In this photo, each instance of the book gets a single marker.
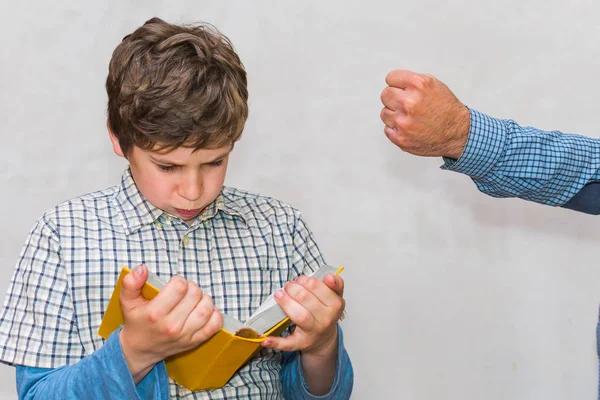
(214, 362)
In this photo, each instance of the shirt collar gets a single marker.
(224, 203)
(137, 212)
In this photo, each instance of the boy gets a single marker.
(177, 103)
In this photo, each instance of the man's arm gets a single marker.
(423, 117)
(102, 375)
(587, 200)
(505, 159)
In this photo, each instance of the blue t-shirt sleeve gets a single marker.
(102, 375)
(505, 159)
(295, 387)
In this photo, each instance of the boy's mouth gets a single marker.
(188, 213)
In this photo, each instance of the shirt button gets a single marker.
(185, 240)
(158, 224)
(207, 223)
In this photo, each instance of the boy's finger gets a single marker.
(304, 297)
(178, 316)
(200, 315)
(214, 324)
(131, 291)
(289, 343)
(328, 292)
(335, 283)
(166, 300)
(297, 313)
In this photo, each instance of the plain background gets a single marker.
(451, 294)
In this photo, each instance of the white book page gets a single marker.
(269, 313)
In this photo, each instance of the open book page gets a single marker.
(231, 324)
(270, 314)
(155, 281)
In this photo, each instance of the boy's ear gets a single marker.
(115, 142)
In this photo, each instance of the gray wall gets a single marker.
(451, 294)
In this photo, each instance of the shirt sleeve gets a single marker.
(37, 324)
(505, 159)
(294, 385)
(306, 256)
(102, 375)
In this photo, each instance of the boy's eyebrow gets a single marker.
(167, 162)
(159, 161)
(217, 158)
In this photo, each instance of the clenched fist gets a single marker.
(422, 116)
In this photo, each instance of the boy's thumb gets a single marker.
(133, 283)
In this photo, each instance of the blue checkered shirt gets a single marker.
(508, 160)
(239, 250)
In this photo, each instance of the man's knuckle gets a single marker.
(402, 123)
(409, 105)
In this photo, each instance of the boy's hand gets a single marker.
(179, 318)
(315, 307)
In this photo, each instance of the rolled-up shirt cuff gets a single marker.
(485, 145)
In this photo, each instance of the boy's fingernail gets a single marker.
(278, 294)
(138, 270)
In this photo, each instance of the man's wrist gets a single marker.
(460, 135)
(486, 143)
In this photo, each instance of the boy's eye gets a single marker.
(216, 163)
(167, 168)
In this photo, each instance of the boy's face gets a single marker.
(181, 182)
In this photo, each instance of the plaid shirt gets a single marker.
(239, 250)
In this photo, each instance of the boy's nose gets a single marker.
(191, 187)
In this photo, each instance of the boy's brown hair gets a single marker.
(170, 86)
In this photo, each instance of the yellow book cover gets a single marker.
(213, 363)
